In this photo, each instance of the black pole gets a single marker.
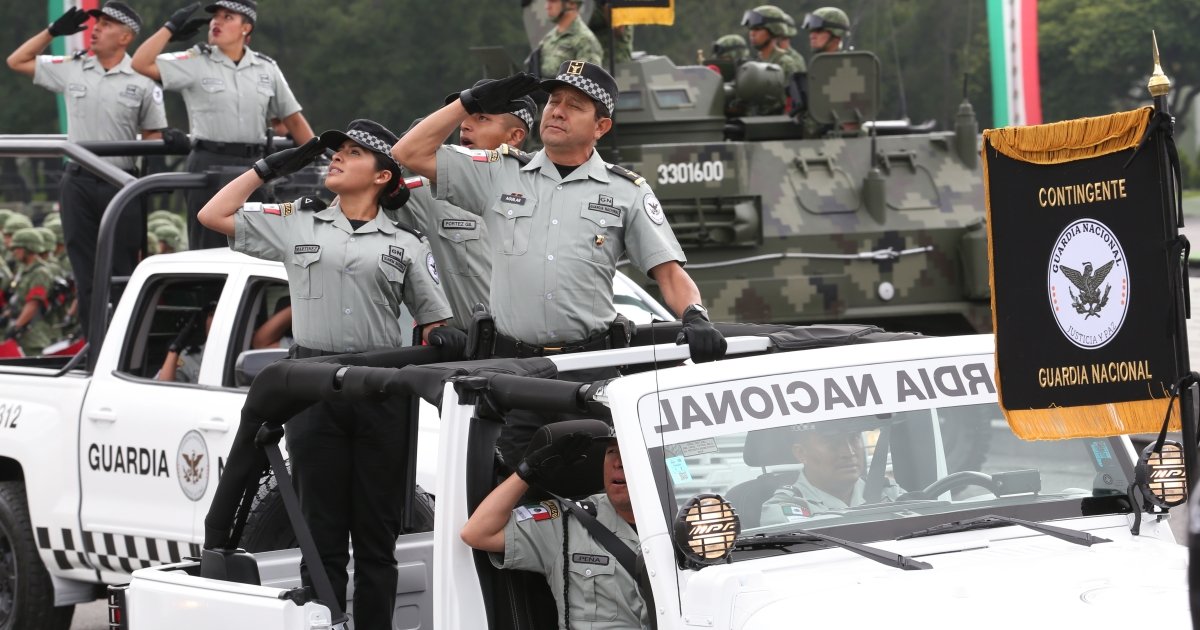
(1187, 416)
(124, 201)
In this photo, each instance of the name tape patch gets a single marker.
(589, 558)
(616, 212)
(513, 198)
(307, 249)
(394, 262)
(458, 224)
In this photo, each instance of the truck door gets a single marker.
(146, 462)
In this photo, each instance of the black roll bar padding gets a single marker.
(522, 392)
(122, 202)
(39, 144)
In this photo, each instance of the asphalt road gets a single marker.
(94, 616)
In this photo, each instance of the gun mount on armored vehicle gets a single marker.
(884, 227)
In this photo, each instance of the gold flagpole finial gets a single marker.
(1159, 84)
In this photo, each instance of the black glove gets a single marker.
(178, 22)
(549, 461)
(69, 23)
(705, 342)
(181, 340)
(288, 161)
(14, 333)
(497, 97)
(176, 139)
(188, 29)
(451, 340)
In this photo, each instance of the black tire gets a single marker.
(268, 529)
(26, 593)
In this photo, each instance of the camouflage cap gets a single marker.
(49, 238)
(4, 214)
(56, 227)
(53, 215)
(16, 222)
(770, 17)
(830, 19)
(28, 238)
(169, 235)
(731, 48)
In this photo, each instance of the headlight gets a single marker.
(705, 530)
(1162, 476)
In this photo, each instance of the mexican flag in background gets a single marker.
(69, 44)
(1016, 88)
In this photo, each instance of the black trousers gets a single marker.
(348, 467)
(83, 198)
(200, 161)
(521, 424)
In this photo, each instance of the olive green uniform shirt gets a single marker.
(577, 43)
(555, 242)
(346, 285)
(801, 500)
(789, 60)
(601, 594)
(459, 242)
(116, 104)
(32, 283)
(227, 101)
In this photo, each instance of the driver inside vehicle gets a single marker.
(832, 477)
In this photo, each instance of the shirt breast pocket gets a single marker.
(462, 240)
(393, 284)
(513, 238)
(77, 90)
(597, 585)
(306, 274)
(600, 232)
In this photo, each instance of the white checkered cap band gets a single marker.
(372, 142)
(523, 114)
(589, 87)
(122, 18)
(244, 9)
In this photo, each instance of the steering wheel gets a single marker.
(953, 481)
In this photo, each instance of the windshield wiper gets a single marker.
(783, 541)
(994, 520)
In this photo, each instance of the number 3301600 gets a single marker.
(691, 172)
(9, 415)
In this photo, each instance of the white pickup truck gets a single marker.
(109, 471)
(740, 523)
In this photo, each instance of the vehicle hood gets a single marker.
(1037, 582)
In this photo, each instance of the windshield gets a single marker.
(872, 452)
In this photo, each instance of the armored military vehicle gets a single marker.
(877, 222)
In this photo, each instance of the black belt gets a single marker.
(302, 352)
(514, 348)
(235, 149)
(74, 169)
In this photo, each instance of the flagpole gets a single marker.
(1159, 87)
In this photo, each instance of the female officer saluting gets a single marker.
(349, 267)
(231, 93)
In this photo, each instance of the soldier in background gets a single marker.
(106, 100)
(30, 299)
(15, 222)
(622, 36)
(570, 39)
(784, 43)
(767, 24)
(827, 28)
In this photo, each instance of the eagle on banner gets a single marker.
(1089, 301)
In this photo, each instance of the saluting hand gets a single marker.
(288, 161)
(69, 23)
(705, 342)
(188, 30)
(545, 463)
(496, 97)
(178, 22)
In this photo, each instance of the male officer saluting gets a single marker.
(559, 220)
(106, 100)
(458, 237)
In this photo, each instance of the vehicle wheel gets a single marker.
(26, 593)
(268, 529)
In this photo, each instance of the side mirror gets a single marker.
(251, 362)
(1161, 475)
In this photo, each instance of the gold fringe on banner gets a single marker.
(1070, 140)
(1060, 423)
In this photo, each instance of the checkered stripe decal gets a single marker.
(115, 552)
(523, 114)
(122, 18)
(238, 7)
(370, 141)
(589, 87)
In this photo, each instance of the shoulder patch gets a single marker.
(310, 203)
(617, 169)
(478, 155)
(278, 209)
(515, 153)
(414, 182)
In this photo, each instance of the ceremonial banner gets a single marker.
(626, 12)
(1081, 295)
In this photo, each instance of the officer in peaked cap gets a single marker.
(342, 262)
(559, 221)
(106, 100)
(230, 91)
